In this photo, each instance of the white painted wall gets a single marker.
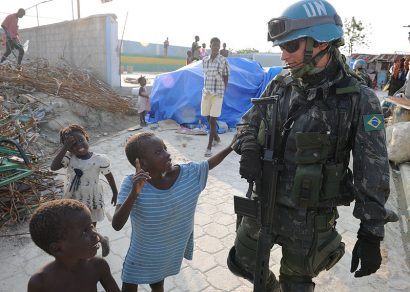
(88, 42)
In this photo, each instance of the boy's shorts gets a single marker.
(211, 105)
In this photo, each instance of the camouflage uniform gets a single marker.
(367, 80)
(369, 188)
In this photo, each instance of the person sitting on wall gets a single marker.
(189, 57)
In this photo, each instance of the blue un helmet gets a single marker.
(315, 19)
(359, 64)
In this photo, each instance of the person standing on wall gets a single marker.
(224, 52)
(202, 52)
(195, 49)
(10, 38)
(216, 74)
(166, 45)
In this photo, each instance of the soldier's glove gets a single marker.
(250, 164)
(367, 249)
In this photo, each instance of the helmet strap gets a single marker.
(347, 71)
(310, 62)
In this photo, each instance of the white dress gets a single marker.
(82, 181)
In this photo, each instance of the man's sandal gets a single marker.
(208, 153)
(216, 142)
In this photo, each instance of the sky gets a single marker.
(240, 24)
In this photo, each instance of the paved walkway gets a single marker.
(215, 233)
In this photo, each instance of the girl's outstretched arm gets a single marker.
(68, 143)
(111, 181)
(122, 212)
(217, 158)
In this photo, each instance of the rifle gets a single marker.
(262, 207)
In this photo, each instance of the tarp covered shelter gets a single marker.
(177, 95)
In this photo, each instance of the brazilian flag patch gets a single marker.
(373, 122)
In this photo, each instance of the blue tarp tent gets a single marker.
(177, 95)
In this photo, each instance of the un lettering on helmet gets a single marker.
(315, 19)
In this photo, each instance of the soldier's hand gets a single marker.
(367, 250)
(250, 164)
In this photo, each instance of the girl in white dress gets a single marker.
(143, 101)
(82, 180)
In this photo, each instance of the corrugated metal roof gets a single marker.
(381, 58)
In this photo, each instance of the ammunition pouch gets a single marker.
(316, 179)
(327, 248)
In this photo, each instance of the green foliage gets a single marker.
(355, 34)
(245, 51)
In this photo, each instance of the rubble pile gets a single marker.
(24, 182)
(64, 80)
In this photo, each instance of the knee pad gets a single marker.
(236, 269)
(242, 257)
(242, 260)
(271, 286)
(296, 283)
(326, 250)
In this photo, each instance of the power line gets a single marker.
(35, 16)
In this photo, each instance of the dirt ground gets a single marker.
(101, 125)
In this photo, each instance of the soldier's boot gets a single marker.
(296, 283)
(238, 270)
(390, 216)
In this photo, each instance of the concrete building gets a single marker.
(90, 43)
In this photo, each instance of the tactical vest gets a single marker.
(315, 145)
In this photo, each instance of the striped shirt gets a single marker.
(162, 225)
(214, 71)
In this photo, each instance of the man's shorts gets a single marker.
(211, 105)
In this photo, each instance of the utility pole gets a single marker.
(78, 9)
(72, 8)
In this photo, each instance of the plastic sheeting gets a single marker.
(177, 95)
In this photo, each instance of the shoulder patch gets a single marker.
(373, 122)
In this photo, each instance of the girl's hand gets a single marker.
(139, 179)
(238, 133)
(69, 142)
(114, 199)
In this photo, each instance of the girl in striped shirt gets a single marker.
(160, 198)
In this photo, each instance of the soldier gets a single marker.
(359, 67)
(324, 113)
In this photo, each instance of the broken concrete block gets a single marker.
(26, 98)
(222, 125)
(397, 137)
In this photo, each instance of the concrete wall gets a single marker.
(265, 59)
(147, 57)
(91, 43)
